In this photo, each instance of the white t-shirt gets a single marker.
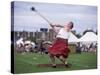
(19, 41)
(63, 34)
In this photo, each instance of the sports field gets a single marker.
(28, 62)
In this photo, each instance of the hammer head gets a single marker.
(32, 8)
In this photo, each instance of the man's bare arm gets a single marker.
(56, 28)
(56, 25)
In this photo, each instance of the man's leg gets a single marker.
(53, 60)
(63, 60)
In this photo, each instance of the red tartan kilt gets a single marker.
(60, 47)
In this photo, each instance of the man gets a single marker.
(60, 48)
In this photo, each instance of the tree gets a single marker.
(96, 32)
(88, 31)
(74, 32)
(78, 35)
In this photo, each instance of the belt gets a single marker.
(62, 39)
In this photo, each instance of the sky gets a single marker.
(84, 17)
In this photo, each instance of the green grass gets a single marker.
(27, 63)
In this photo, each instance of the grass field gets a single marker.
(27, 63)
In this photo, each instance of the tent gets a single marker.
(88, 37)
(72, 38)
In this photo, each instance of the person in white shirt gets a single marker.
(20, 43)
(60, 48)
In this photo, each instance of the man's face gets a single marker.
(68, 26)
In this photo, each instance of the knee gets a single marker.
(51, 55)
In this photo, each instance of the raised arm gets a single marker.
(56, 27)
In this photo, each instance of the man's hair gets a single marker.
(72, 24)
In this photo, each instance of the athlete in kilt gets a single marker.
(60, 48)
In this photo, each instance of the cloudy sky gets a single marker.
(84, 17)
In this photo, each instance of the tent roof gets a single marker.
(89, 36)
(72, 38)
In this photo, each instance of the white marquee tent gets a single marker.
(88, 37)
(72, 38)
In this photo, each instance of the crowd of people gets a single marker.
(23, 45)
(86, 47)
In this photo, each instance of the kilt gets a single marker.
(59, 48)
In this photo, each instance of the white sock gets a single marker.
(66, 62)
(53, 64)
